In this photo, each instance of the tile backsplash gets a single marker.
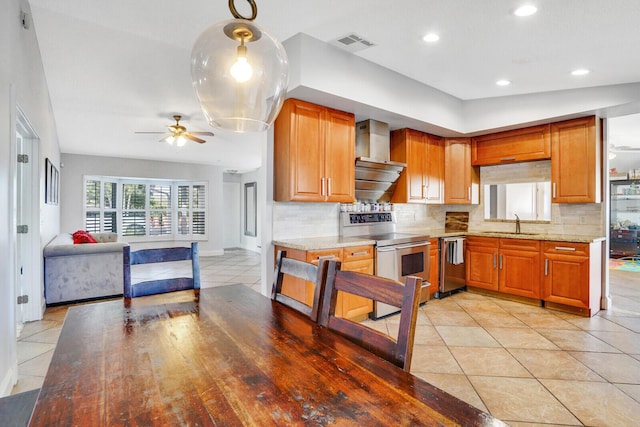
(301, 220)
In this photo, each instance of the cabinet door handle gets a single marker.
(329, 186)
(546, 267)
(321, 257)
(500, 261)
(507, 159)
(553, 193)
(564, 248)
(323, 189)
(495, 260)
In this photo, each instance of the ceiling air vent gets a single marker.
(352, 43)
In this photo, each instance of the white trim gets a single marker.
(10, 378)
(35, 308)
(174, 209)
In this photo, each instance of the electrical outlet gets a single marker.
(583, 220)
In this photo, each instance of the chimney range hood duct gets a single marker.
(376, 175)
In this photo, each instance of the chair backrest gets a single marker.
(163, 284)
(301, 270)
(406, 296)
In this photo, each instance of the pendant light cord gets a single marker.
(237, 15)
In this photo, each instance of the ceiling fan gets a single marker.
(179, 134)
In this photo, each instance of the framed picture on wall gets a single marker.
(51, 183)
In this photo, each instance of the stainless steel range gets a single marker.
(397, 255)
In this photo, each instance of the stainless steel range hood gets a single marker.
(376, 175)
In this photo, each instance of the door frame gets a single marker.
(35, 307)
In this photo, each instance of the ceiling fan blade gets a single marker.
(193, 138)
(202, 133)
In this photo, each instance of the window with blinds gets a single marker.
(143, 209)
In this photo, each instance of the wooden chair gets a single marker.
(302, 270)
(406, 296)
(162, 285)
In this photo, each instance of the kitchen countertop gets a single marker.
(332, 242)
(325, 242)
(511, 235)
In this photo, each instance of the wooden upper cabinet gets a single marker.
(575, 161)
(314, 154)
(340, 156)
(434, 173)
(461, 179)
(422, 181)
(520, 145)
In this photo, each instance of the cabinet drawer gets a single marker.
(331, 254)
(520, 244)
(566, 248)
(489, 242)
(355, 253)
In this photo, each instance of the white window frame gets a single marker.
(173, 209)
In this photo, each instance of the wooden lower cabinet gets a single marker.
(572, 276)
(360, 259)
(481, 260)
(353, 258)
(509, 266)
(434, 266)
(519, 265)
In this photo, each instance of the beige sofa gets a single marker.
(77, 272)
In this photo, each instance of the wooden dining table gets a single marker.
(231, 357)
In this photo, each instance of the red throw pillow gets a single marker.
(81, 236)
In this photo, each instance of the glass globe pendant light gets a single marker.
(240, 74)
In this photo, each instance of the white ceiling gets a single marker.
(119, 66)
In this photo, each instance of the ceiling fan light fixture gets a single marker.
(240, 74)
(180, 141)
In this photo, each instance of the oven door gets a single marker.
(398, 261)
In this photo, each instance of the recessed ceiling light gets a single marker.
(431, 37)
(526, 10)
(580, 72)
(503, 82)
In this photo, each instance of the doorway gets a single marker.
(26, 265)
(623, 219)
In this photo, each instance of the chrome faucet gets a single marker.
(517, 224)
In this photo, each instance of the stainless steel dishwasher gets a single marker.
(453, 275)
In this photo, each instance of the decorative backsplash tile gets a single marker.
(300, 220)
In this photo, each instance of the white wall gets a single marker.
(231, 198)
(22, 83)
(330, 76)
(77, 166)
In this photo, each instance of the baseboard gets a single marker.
(9, 379)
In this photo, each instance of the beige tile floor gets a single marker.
(523, 364)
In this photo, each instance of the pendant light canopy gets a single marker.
(240, 74)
